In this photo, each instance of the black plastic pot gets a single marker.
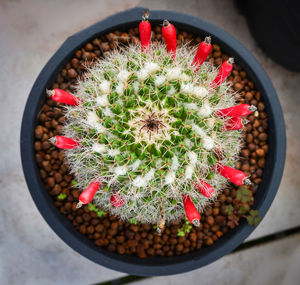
(153, 265)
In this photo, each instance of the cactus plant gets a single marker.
(149, 141)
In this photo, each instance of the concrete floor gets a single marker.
(30, 253)
(273, 263)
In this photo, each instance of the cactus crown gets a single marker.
(148, 130)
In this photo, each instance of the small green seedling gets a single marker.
(93, 208)
(254, 218)
(61, 196)
(133, 221)
(185, 228)
(241, 208)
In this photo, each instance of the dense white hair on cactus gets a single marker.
(100, 128)
(149, 175)
(102, 101)
(184, 77)
(136, 86)
(108, 112)
(135, 165)
(100, 148)
(151, 67)
(193, 157)
(200, 91)
(104, 86)
(158, 163)
(92, 118)
(120, 170)
(172, 91)
(139, 181)
(187, 88)
(111, 131)
(123, 75)
(208, 143)
(198, 130)
(113, 152)
(189, 170)
(93, 121)
(173, 73)
(205, 110)
(211, 122)
(120, 88)
(188, 143)
(175, 163)
(191, 106)
(142, 74)
(159, 80)
(170, 177)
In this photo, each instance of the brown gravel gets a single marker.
(141, 239)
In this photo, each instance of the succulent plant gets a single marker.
(151, 135)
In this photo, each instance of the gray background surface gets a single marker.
(30, 253)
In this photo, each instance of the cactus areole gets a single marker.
(148, 124)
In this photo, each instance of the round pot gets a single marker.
(153, 265)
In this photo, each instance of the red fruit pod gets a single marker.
(224, 71)
(236, 111)
(204, 188)
(88, 194)
(145, 32)
(62, 96)
(191, 211)
(237, 177)
(116, 200)
(64, 142)
(169, 34)
(202, 53)
(235, 123)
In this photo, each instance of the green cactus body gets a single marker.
(148, 129)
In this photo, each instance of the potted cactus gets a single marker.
(151, 134)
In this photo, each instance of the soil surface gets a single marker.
(142, 239)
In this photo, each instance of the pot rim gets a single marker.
(153, 266)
